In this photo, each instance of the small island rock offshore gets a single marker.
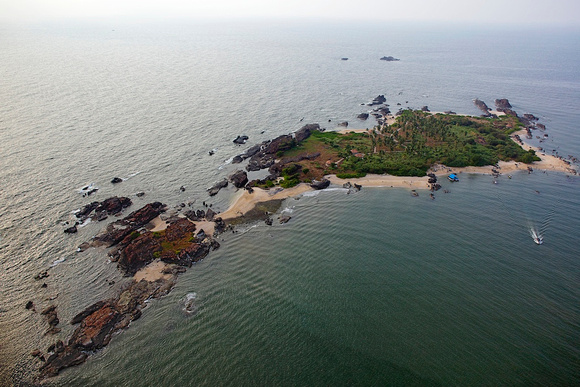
(408, 150)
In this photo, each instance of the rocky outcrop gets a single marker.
(363, 116)
(305, 132)
(378, 100)
(71, 230)
(117, 231)
(530, 117)
(344, 124)
(284, 219)
(240, 140)
(239, 178)
(322, 184)
(99, 322)
(425, 108)
(99, 210)
(217, 187)
(482, 106)
(52, 319)
(390, 59)
(502, 103)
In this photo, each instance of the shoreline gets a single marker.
(243, 202)
(100, 321)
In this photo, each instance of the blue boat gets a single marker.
(453, 177)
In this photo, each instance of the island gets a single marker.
(408, 149)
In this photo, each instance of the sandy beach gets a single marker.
(152, 272)
(245, 201)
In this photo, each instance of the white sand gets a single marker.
(245, 201)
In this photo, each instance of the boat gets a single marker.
(537, 237)
(453, 177)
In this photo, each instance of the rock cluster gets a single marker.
(117, 231)
(100, 210)
(178, 245)
(98, 323)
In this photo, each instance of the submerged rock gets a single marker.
(116, 180)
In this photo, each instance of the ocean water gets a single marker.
(366, 289)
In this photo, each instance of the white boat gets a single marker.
(536, 236)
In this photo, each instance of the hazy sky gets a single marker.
(494, 11)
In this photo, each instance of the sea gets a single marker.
(370, 288)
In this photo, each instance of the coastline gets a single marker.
(183, 244)
(244, 202)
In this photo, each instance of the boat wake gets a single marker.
(536, 236)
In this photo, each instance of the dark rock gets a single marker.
(541, 126)
(239, 179)
(530, 117)
(280, 143)
(343, 58)
(482, 106)
(88, 311)
(51, 316)
(71, 230)
(363, 116)
(425, 108)
(182, 189)
(210, 214)
(40, 276)
(117, 231)
(237, 159)
(357, 186)
(284, 219)
(343, 124)
(389, 59)
(449, 112)
(378, 100)
(509, 112)
(240, 140)
(140, 194)
(259, 162)
(195, 216)
(116, 180)
(102, 216)
(29, 305)
(86, 211)
(269, 221)
(216, 188)
(305, 132)
(220, 225)
(322, 184)
(502, 103)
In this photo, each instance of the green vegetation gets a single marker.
(409, 147)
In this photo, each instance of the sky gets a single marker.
(562, 12)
